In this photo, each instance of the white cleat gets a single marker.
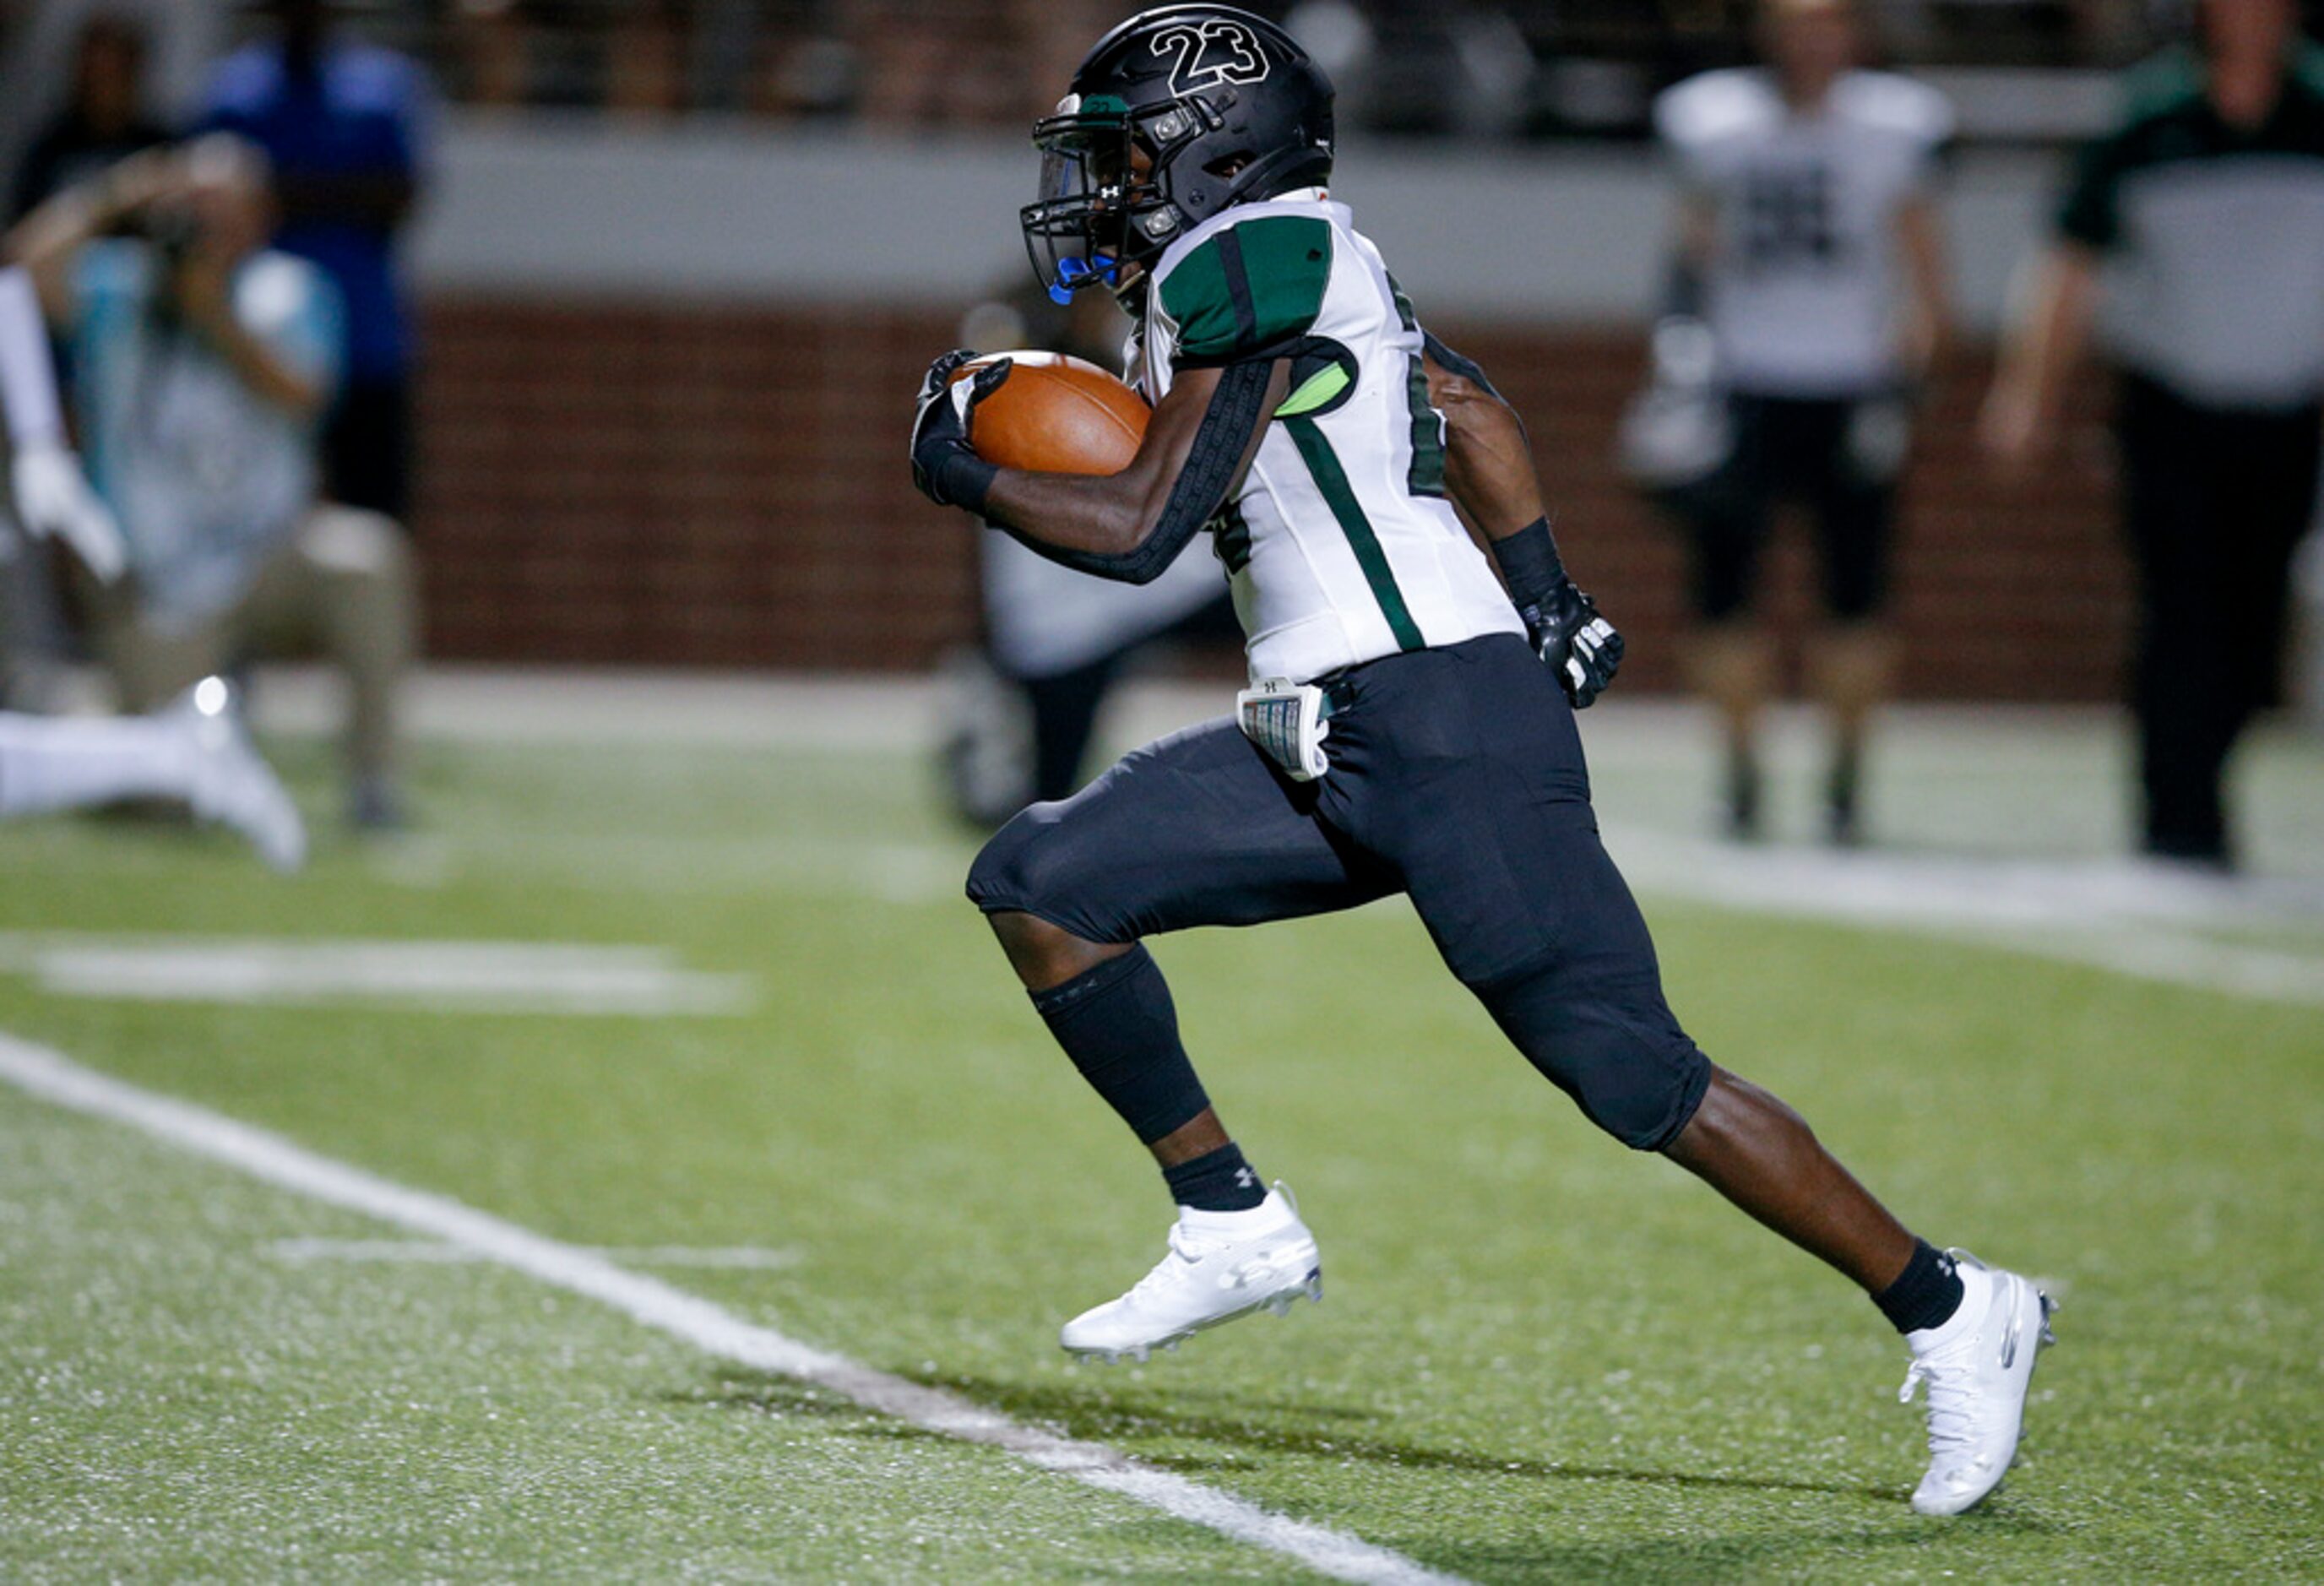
(230, 783)
(1977, 1366)
(1221, 1264)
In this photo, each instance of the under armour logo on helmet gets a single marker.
(1210, 53)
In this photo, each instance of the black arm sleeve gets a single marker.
(1237, 407)
(1530, 565)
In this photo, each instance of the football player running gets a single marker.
(1410, 728)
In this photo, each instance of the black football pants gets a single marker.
(2215, 501)
(1457, 778)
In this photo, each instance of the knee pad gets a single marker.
(1034, 865)
(1005, 877)
(1616, 1050)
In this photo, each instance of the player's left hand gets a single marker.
(54, 501)
(1575, 643)
(940, 430)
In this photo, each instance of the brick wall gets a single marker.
(614, 484)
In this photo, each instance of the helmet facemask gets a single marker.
(1097, 212)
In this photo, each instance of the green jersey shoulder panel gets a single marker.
(1249, 290)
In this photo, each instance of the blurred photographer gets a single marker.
(204, 364)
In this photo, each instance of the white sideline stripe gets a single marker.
(2190, 961)
(2116, 917)
(526, 977)
(55, 1078)
(422, 1251)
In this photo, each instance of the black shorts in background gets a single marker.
(1838, 458)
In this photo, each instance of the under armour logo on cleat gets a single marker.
(1246, 1179)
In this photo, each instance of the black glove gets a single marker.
(945, 467)
(1575, 641)
(1561, 622)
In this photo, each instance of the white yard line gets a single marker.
(56, 1079)
(428, 1251)
(494, 977)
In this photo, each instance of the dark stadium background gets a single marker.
(682, 264)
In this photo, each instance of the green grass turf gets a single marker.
(1541, 1357)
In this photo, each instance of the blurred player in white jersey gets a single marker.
(1809, 246)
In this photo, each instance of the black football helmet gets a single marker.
(1226, 106)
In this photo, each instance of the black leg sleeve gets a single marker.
(1118, 1025)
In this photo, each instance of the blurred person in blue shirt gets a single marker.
(205, 362)
(345, 126)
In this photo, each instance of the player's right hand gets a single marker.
(945, 467)
(54, 500)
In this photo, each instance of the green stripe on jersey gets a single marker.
(1231, 538)
(1331, 479)
(1426, 475)
(1249, 287)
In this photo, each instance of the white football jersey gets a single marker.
(1803, 290)
(1341, 545)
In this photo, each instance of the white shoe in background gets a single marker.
(228, 782)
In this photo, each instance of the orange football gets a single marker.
(1057, 414)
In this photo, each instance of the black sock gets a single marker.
(1925, 1295)
(1219, 1182)
(1118, 1025)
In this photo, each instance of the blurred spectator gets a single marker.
(645, 59)
(205, 363)
(345, 126)
(992, 64)
(104, 121)
(1811, 248)
(2205, 210)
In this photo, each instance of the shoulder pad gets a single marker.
(1246, 285)
(1896, 103)
(1715, 105)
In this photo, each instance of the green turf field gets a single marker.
(1540, 1357)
